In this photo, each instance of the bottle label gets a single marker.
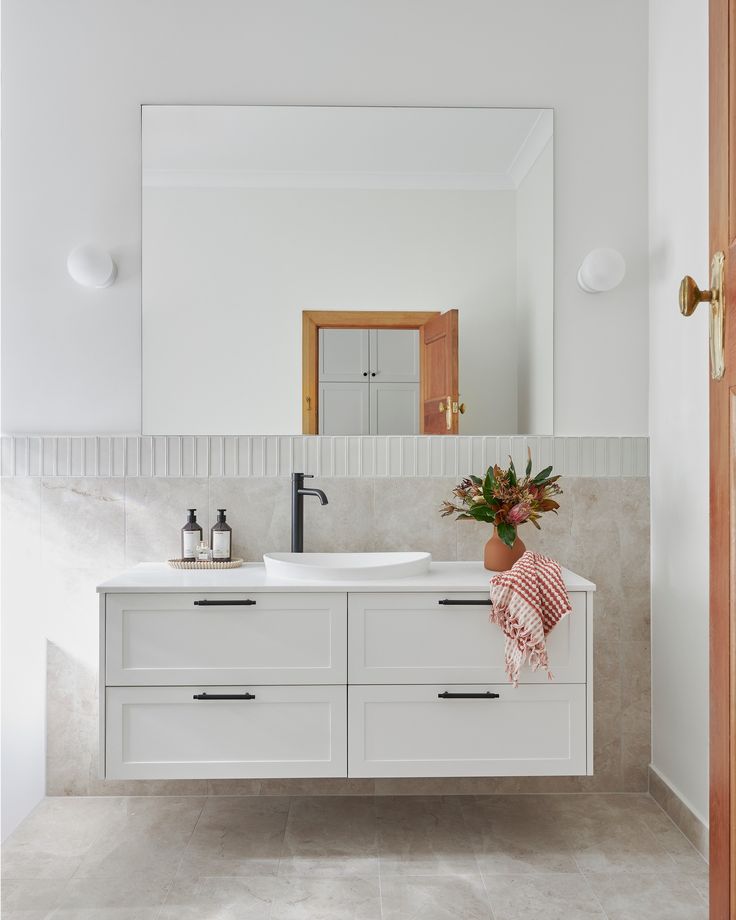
(220, 544)
(189, 543)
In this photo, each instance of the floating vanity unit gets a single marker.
(227, 674)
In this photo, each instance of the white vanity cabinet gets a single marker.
(231, 674)
(467, 730)
(181, 639)
(209, 732)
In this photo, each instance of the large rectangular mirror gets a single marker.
(345, 270)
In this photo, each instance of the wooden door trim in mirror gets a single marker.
(314, 320)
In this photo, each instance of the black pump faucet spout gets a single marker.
(297, 508)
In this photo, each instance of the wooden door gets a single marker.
(439, 374)
(722, 461)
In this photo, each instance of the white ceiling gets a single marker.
(341, 147)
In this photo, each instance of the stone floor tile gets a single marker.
(220, 899)
(147, 838)
(441, 898)
(701, 885)
(533, 897)
(126, 898)
(636, 896)
(237, 836)
(327, 899)
(516, 834)
(423, 835)
(37, 895)
(275, 858)
(55, 837)
(331, 836)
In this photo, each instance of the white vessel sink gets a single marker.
(345, 566)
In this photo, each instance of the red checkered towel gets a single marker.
(528, 601)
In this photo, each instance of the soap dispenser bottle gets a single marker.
(191, 534)
(221, 539)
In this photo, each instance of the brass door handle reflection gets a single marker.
(446, 407)
(691, 296)
(451, 407)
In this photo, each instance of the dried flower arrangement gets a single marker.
(505, 500)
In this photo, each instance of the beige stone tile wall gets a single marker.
(92, 528)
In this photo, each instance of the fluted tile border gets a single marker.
(272, 455)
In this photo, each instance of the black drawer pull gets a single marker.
(224, 696)
(246, 603)
(468, 696)
(449, 603)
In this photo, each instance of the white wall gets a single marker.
(75, 74)
(534, 293)
(23, 651)
(678, 200)
(228, 272)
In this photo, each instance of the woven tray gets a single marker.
(201, 564)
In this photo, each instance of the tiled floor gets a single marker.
(552, 857)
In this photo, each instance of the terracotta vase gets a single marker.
(498, 557)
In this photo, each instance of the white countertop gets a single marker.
(153, 577)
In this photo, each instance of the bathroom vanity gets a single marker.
(234, 673)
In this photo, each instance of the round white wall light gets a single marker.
(601, 270)
(91, 266)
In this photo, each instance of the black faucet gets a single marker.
(297, 508)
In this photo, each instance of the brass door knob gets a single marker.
(691, 296)
(446, 408)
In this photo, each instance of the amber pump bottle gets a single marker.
(221, 539)
(191, 534)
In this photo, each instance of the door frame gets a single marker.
(722, 207)
(314, 320)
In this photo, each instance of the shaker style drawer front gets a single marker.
(165, 733)
(467, 730)
(418, 639)
(167, 639)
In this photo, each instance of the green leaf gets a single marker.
(507, 532)
(529, 464)
(512, 473)
(476, 480)
(540, 477)
(489, 486)
(481, 513)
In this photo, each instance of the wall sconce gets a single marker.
(91, 266)
(601, 270)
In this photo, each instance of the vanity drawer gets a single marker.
(164, 733)
(167, 639)
(415, 638)
(410, 731)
